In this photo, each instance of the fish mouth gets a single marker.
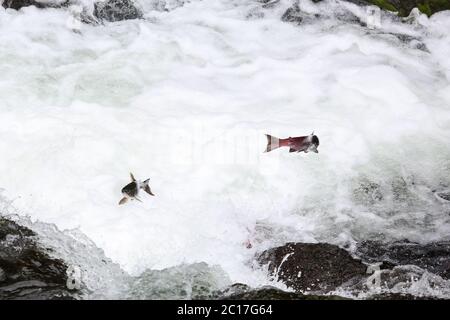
(313, 148)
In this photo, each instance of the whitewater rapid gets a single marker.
(184, 97)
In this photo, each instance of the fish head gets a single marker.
(314, 144)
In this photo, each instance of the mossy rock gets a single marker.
(404, 7)
(384, 4)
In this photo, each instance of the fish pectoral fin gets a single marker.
(292, 150)
(138, 199)
(123, 200)
(148, 190)
(132, 177)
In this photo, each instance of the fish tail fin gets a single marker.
(147, 187)
(272, 143)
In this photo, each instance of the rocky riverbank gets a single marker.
(117, 10)
(312, 267)
(400, 7)
(373, 267)
(310, 271)
(26, 269)
(404, 7)
(109, 10)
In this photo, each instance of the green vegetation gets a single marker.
(384, 4)
(425, 8)
(404, 7)
(439, 5)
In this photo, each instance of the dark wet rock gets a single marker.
(239, 291)
(399, 296)
(269, 3)
(117, 10)
(108, 10)
(295, 15)
(400, 190)
(406, 39)
(26, 269)
(386, 267)
(443, 195)
(18, 4)
(313, 267)
(433, 257)
(357, 2)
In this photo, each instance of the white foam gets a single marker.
(185, 97)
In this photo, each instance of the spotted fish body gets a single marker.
(131, 190)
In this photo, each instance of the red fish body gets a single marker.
(295, 144)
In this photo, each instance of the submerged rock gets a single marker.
(398, 296)
(321, 268)
(117, 10)
(26, 269)
(186, 281)
(313, 267)
(443, 195)
(295, 14)
(433, 257)
(107, 10)
(239, 291)
(17, 4)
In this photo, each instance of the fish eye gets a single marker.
(315, 140)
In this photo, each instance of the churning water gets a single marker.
(184, 97)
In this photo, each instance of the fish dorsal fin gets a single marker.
(310, 137)
(132, 177)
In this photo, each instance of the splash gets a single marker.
(185, 96)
